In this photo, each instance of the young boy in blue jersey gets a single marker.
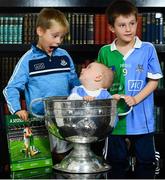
(136, 73)
(43, 71)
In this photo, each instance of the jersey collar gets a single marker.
(137, 44)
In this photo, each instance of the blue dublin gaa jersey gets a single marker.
(131, 74)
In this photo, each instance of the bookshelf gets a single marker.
(77, 6)
(89, 51)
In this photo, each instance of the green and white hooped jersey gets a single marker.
(132, 72)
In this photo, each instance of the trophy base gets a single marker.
(82, 160)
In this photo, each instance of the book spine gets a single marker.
(84, 29)
(161, 31)
(5, 30)
(10, 31)
(144, 28)
(102, 28)
(67, 39)
(157, 30)
(90, 29)
(73, 37)
(33, 28)
(97, 29)
(20, 29)
(139, 26)
(77, 29)
(80, 28)
(148, 28)
(153, 27)
(25, 29)
(29, 35)
(108, 37)
(1, 29)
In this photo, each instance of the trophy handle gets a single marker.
(31, 109)
(125, 113)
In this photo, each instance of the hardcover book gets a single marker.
(28, 143)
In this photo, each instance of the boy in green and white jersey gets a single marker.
(136, 73)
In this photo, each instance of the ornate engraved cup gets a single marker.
(81, 123)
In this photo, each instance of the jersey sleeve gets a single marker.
(154, 69)
(15, 85)
(74, 95)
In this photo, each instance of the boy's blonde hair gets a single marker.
(48, 15)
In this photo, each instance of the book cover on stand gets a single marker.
(28, 143)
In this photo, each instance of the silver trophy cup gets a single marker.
(81, 123)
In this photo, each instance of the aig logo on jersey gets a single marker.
(135, 85)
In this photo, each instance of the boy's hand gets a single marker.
(88, 98)
(23, 114)
(116, 96)
(130, 100)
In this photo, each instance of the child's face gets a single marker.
(52, 37)
(125, 28)
(89, 73)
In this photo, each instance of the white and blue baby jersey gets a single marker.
(79, 92)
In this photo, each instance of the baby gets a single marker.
(96, 78)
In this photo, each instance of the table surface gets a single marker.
(116, 172)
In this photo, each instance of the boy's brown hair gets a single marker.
(49, 15)
(120, 7)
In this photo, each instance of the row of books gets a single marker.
(7, 64)
(153, 27)
(85, 28)
(11, 29)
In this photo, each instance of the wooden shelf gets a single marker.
(74, 48)
(13, 48)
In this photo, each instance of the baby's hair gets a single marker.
(108, 76)
(47, 16)
(120, 7)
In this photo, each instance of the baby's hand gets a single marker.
(88, 98)
(23, 114)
